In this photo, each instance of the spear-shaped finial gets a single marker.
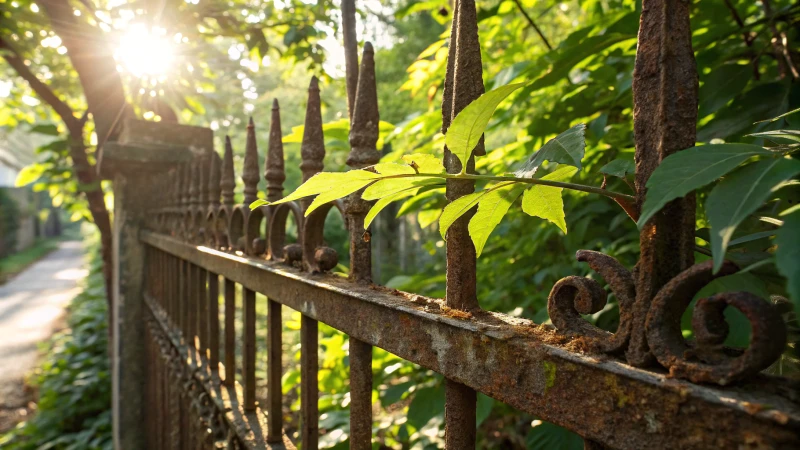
(313, 147)
(250, 175)
(194, 183)
(364, 125)
(274, 171)
(214, 179)
(228, 182)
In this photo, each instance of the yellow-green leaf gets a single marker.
(384, 202)
(545, 201)
(456, 209)
(424, 163)
(491, 209)
(468, 126)
(333, 185)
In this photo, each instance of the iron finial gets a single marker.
(228, 181)
(313, 147)
(214, 179)
(250, 175)
(364, 125)
(274, 171)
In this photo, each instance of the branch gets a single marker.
(533, 24)
(42, 90)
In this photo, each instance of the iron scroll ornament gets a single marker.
(703, 360)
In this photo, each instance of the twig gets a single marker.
(533, 24)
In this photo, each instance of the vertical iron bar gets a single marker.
(249, 348)
(665, 87)
(230, 332)
(309, 384)
(463, 84)
(213, 316)
(363, 141)
(350, 51)
(274, 367)
(202, 310)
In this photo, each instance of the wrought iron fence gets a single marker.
(643, 386)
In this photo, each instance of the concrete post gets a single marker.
(144, 151)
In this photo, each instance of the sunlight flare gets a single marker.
(146, 51)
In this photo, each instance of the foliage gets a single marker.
(9, 216)
(74, 382)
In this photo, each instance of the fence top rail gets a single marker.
(524, 365)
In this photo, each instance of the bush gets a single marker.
(9, 215)
(74, 382)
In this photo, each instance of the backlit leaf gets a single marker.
(329, 186)
(491, 209)
(390, 186)
(384, 202)
(545, 201)
(739, 195)
(424, 163)
(456, 209)
(468, 126)
(29, 174)
(690, 169)
(566, 148)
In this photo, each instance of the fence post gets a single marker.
(143, 150)
(463, 84)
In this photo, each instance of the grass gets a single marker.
(16, 263)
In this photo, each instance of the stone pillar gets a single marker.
(144, 152)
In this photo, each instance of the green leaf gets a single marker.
(781, 116)
(427, 403)
(491, 209)
(691, 169)
(788, 256)
(545, 201)
(548, 436)
(483, 409)
(394, 169)
(619, 167)
(48, 129)
(566, 148)
(384, 202)
(791, 135)
(257, 203)
(739, 195)
(330, 186)
(424, 163)
(721, 85)
(468, 126)
(382, 188)
(456, 209)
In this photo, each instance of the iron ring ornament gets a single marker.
(702, 360)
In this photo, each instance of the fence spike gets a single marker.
(214, 188)
(665, 89)
(350, 51)
(228, 182)
(274, 171)
(464, 83)
(364, 126)
(313, 148)
(202, 183)
(250, 175)
(193, 199)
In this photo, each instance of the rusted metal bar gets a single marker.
(230, 332)
(309, 384)
(527, 366)
(464, 83)
(274, 172)
(213, 316)
(274, 372)
(360, 394)
(250, 175)
(350, 51)
(665, 86)
(249, 348)
(202, 310)
(363, 141)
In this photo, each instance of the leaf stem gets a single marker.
(551, 183)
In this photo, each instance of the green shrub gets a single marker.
(9, 215)
(74, 382)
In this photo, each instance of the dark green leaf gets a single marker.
(548, 436)
(723, 84)
(48, 129)
(788, 256)
(620, 167)
(794, 111)
(427, 403)
(690, 169)
(566, 148)
(739, 195)
(791, 135)
(484, 408)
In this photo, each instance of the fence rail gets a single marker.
(192, 243)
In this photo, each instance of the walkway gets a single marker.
(30, 306)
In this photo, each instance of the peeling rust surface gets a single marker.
(665, 86)
(529, 367)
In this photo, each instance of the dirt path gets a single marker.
(31, 306)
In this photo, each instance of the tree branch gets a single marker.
(42, 90)
(533, 25)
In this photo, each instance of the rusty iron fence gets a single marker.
(641, 387)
